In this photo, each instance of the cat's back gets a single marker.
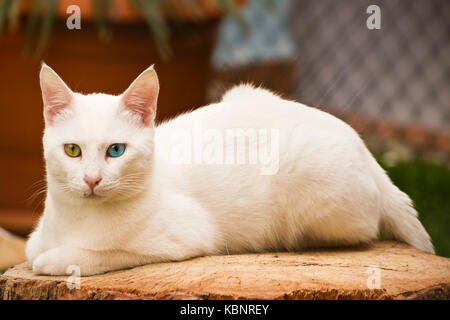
(303, 132)
(245, 106)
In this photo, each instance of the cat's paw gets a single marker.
(52, 262)
(33, 247)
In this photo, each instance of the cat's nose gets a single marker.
(92, 181)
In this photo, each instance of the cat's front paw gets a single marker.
(33, 247)
(53, 263)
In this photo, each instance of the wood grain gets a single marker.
(405, 273)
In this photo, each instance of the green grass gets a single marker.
(428, 185)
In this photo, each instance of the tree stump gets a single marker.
(383, 270)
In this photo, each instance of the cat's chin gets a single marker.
(99, 199)
(94, 198)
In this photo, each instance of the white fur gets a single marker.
(328, 191)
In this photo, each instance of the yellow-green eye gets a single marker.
(72, 150)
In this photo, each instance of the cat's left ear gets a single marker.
(141, 96)
(56, 95)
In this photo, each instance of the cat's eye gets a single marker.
(116, 150)
(72, 150)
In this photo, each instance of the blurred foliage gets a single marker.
(42, 15)
(428, 185)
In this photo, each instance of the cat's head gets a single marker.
(98, 147)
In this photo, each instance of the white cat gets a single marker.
(119, 196)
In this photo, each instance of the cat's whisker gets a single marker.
(42, 180)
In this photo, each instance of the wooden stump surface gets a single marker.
(403, 273)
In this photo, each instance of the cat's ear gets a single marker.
(56, 95)
(142, 95)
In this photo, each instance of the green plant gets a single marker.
(154, 13)
(428, 185)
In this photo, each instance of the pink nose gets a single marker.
(92, 181)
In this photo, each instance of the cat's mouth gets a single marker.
(92, 195)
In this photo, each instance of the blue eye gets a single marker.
(116, 150)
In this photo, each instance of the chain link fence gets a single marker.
(391, 82)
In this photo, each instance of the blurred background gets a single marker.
(390, 83)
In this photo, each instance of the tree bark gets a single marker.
(383, 270)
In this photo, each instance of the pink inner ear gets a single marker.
(55, 101)
(142, 95)
(140, 101)
(55, 93)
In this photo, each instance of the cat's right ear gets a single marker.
(56, 95)
(142, 95)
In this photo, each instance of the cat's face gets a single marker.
(98, 147)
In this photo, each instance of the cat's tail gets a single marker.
(398, 216)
